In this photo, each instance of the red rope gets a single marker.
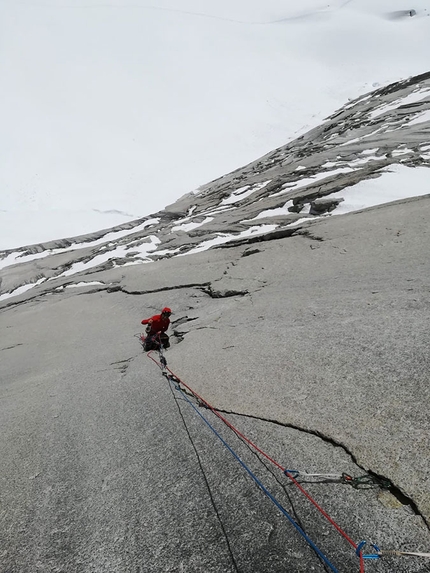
(270, 459)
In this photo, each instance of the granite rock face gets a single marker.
(308, 331)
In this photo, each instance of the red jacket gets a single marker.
(158, 323)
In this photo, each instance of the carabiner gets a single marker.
(370, 555)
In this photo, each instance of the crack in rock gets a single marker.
(271, 236)
(306, 233)
(224, 293)
(120, 288)
(183, 320)
(395, 491)
(249, 252)
(179, 336)
(122, 365)
(10, 347)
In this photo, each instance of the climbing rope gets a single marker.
(256, 479)
(357, 482)
(202, 401)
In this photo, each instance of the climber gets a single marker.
(156, 330)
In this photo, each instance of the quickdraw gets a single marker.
(365, 481)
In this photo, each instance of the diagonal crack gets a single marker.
(393, 489)
(271, 236)
(10, 347)
(309, 235)
(108, 289)
(184, 286)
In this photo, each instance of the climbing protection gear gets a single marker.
(361, 481)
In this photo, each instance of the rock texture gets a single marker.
(311, 338)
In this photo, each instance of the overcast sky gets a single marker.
(125, 106)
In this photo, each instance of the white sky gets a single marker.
(125, 106)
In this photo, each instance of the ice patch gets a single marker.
(360, 162)
(293, 186)
(84, 284)
(17, 257)
(421, 118)
(243, 192)
(279, 211)
(223, 238)
(119, 253)
(411, 98)
(22, 289)
(190, 226)
(399, 182)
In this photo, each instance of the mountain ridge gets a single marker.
(293, 185)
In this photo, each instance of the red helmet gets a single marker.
(166, 310)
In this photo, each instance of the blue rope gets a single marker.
(259, 483)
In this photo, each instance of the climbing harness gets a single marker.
(156, 339)
(359, 482)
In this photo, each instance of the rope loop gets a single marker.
(292, 473)
(369, 555)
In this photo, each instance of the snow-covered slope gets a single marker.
(110, 111)
(373, 150)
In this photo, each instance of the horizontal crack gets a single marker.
(124, 290)
(309, 235)
(108, 289)
(223, 293)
